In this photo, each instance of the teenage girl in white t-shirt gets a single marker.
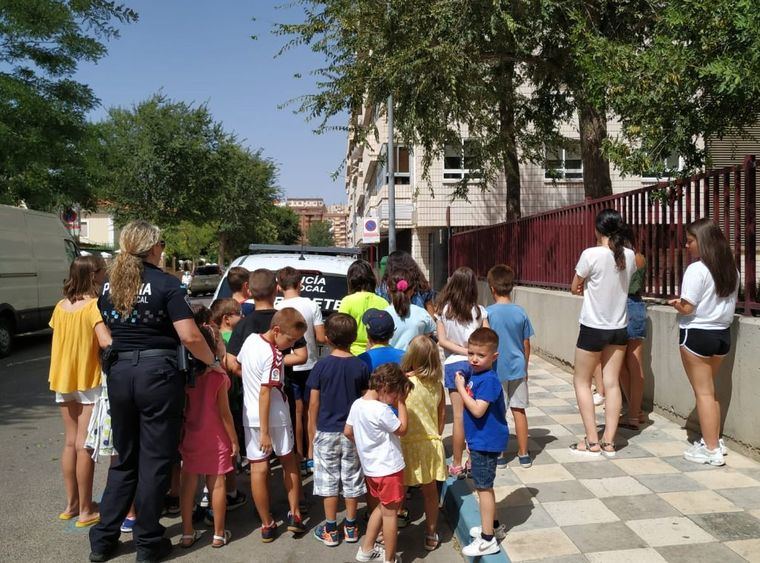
(459, 315)
(602, 276)
(706, 310)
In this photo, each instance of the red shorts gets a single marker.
(387, 489)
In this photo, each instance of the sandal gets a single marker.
(86, 523)
(432, 542)
(188, 540)
(225, 539)
(586, 450)
(605, 452)
(67, 515)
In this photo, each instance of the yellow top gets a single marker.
(74, 359)
(422, 445)
(356, 305)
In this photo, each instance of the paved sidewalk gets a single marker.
(646, 505)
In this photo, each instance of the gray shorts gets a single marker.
(336, 466)
(516, 393)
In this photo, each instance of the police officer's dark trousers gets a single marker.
(147, 398)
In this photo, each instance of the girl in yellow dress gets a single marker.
(422, 445)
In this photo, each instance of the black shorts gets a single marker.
(595, 339)
(705, 342)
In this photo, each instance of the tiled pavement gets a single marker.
(646, 505)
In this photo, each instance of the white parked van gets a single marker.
(36, 251)
(323, 268)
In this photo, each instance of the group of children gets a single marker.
(366, 423)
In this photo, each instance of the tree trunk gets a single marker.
(222, 249)
(509, 141)
(596, 168)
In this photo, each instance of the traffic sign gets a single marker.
(371, 230)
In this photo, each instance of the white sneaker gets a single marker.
(598, 399)
(377, 554)
(499, 533)
(700, 454)
(479, 546)
(721, 443)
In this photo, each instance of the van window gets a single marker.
(207, 271)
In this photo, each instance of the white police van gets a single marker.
(323, 270)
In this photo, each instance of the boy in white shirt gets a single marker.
(266, 416)
(375, 429)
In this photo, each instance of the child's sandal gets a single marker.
(432, 541)
(188, 540)
(605, 452)
(223, 540)
(586, 450)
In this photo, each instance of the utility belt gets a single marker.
(109, 357)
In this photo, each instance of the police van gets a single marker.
(323, 270)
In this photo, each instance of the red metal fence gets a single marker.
(543, 248)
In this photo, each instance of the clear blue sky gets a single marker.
(202, 52)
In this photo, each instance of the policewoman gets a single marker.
(146, 311)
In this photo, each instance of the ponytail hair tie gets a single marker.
(402, 285)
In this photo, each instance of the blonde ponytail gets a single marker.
(125, 273)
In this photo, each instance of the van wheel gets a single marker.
(6, 336)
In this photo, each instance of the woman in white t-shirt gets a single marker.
(705, 311)
(602, 277)
(459, 315)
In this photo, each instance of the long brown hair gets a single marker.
(610, 224)
(716, 254)
(125, 275)
(81, 282)
(398, 285)
(461, 296)
(402, 260)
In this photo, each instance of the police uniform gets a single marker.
(146, 392)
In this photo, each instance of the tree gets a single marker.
(286, 225)
(44, 137)
(319, 233)
(188, 240)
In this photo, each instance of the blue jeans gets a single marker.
(483, 467)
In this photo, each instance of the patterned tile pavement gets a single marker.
(646, 505)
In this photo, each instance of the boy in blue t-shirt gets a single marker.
(380, 328)
(513, 326)
(486, 432)
(336, 381)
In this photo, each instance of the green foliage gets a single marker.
(285, 226)
(44, 138)
(320, 234)
(187, 240)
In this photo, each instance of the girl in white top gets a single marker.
(705, 311)
(602, 276)
(459, 315)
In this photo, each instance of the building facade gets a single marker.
(313, 210)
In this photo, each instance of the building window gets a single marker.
(84, 230)
(672, 163)
(564, 162)
(459, 162)
(401, 164)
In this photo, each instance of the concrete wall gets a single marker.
(554, 315)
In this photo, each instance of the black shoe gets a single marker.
(105, 555)
(237, 502)
(164, 548)
(171, 506)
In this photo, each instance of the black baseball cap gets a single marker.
(379, 324)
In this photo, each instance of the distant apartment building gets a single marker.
(312, 210)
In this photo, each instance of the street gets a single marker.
(31, 438)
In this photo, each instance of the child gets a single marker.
(380, 327)
(512, 325)
(485, 426)
(422, 445)
(409, 319)
(266, 416)
(458, 316)
(336, 382)
(361, 297)
(375, 429)
(239, 280)
(705, 313)
(289, 283)
(209, 445)
(225, 314)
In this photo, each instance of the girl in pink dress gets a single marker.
(209, 444)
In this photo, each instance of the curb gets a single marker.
(462, 512)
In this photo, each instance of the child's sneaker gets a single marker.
(377, 554)
(237, 501)
(721, 444)
(310, 466)
(525, 461)
(350, 533)
(327, 537)
(479, 547)
(295, 525)
(205, 498)
(304, 471)
(500, 532)
(268, 532)
(598, 399)
(127, 525)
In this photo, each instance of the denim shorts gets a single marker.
(483, 467)
(450, 371)
(637, 318)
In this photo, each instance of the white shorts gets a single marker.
(88, 397)
(282, 442)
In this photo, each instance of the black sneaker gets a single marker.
(295, 525)
(171, 505)
(105, 555)
(164, 548)
(199, 513)
(236, 502)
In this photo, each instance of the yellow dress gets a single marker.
(75, 354)
(422, 445)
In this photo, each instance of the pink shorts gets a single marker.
(387, 489)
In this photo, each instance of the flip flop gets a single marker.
(86, 523)
(194, 537)
(67, 516)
